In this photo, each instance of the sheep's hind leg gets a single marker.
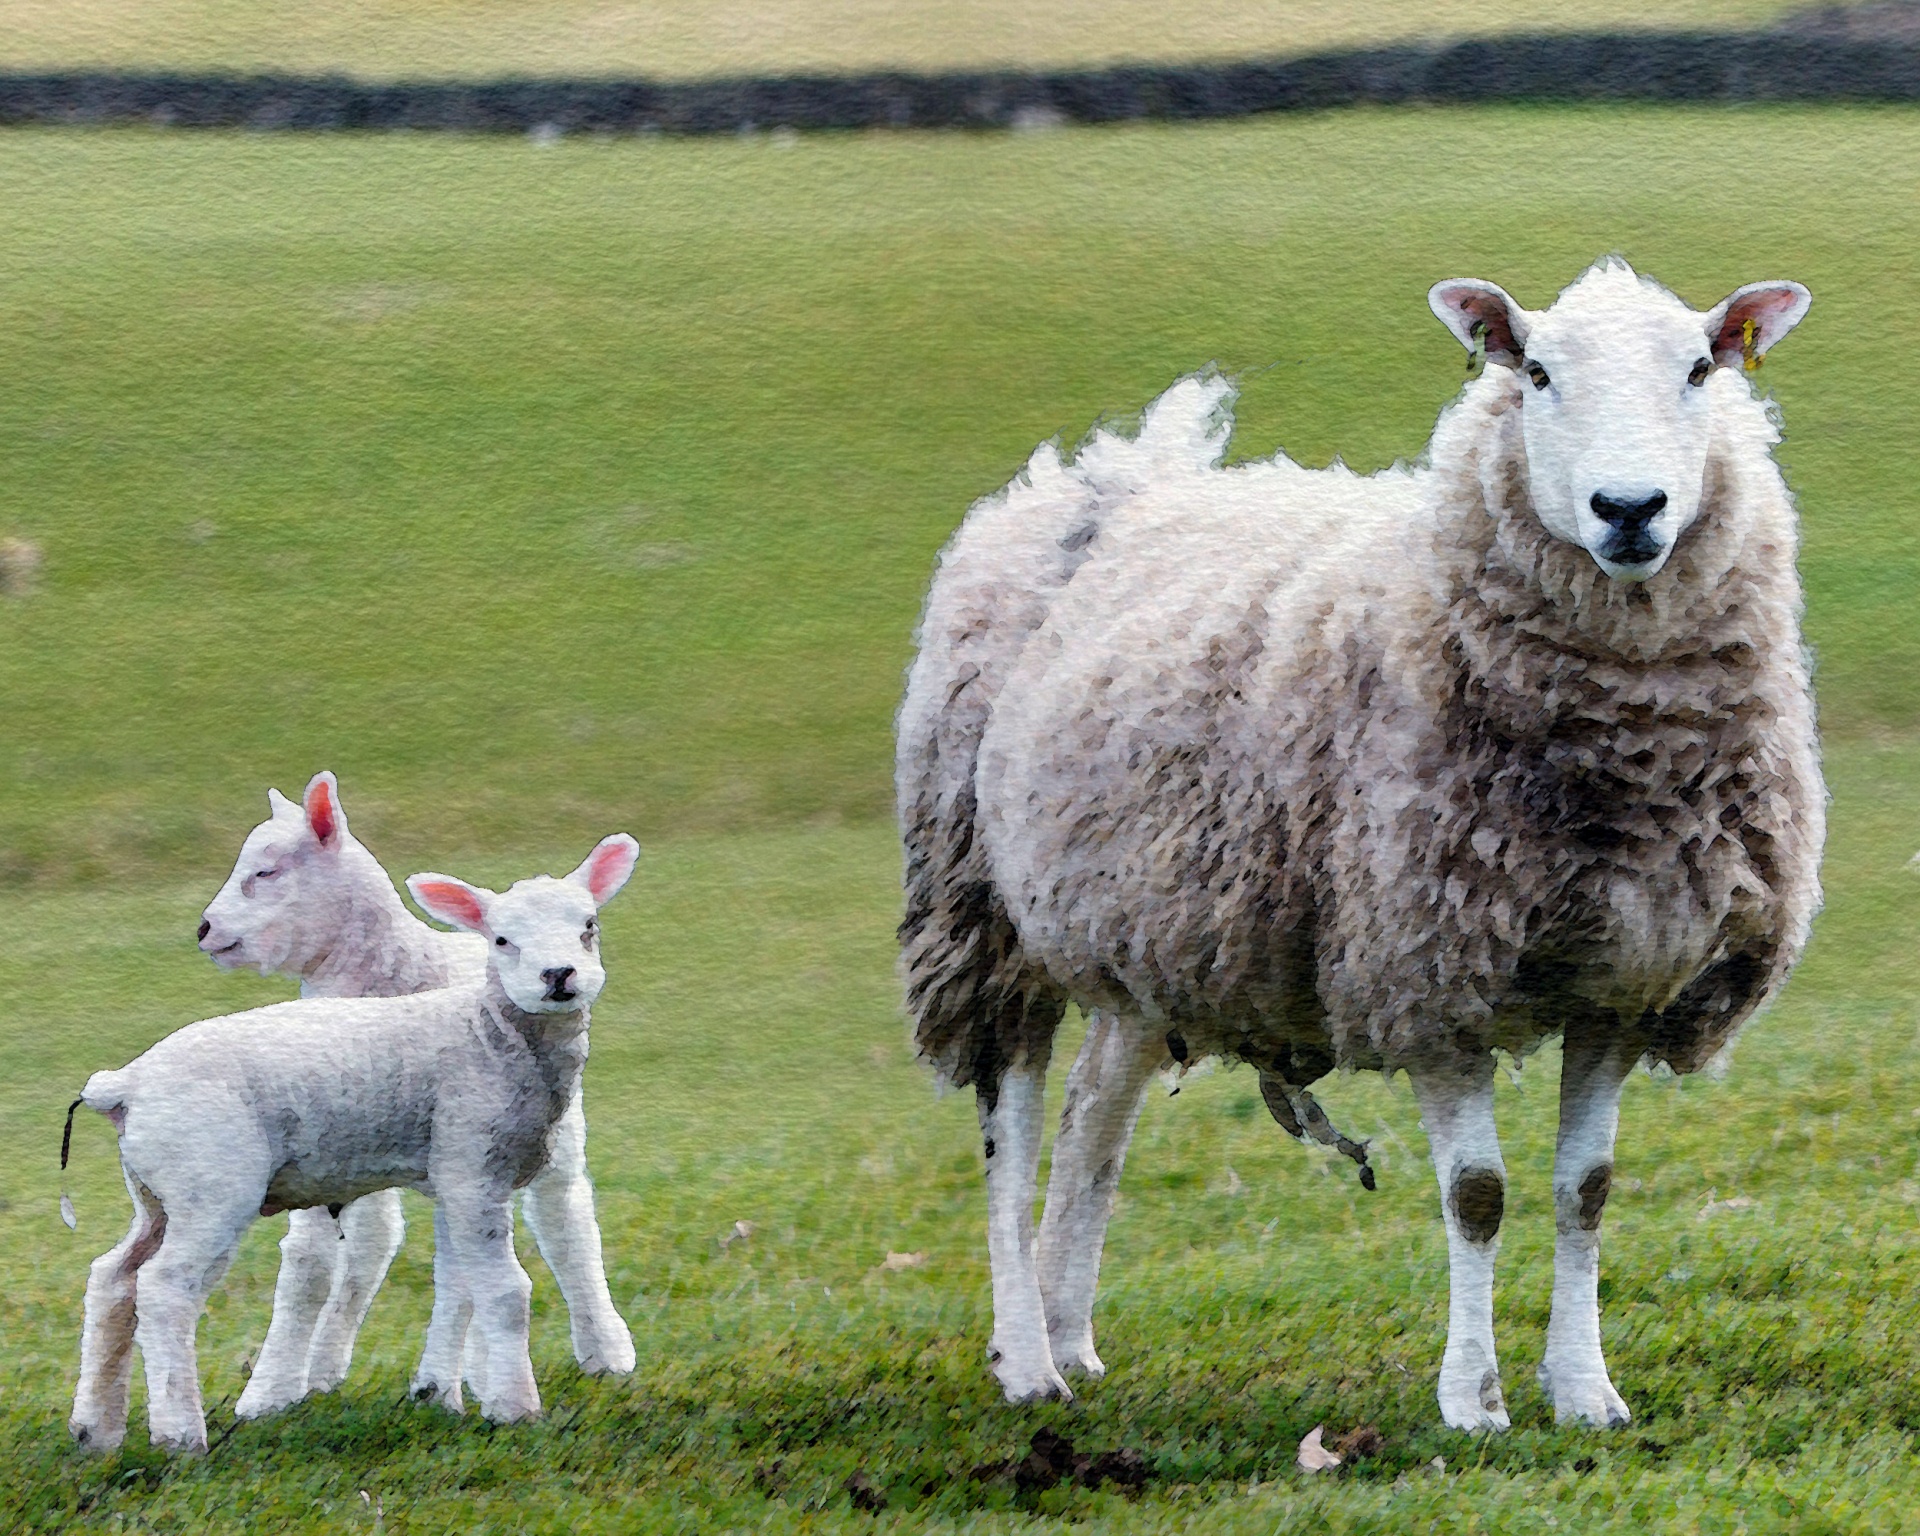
(559, 1210)
(307, 1253)
(1105, 1090)
(1010, 1127)
(99, 1418)
(1456, 1104)
(1574, 1371)
(371, 1230)
(173, 1286)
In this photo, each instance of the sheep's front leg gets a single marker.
(559, 1207)
(371, 1230)
(1456, 1104)
(480, 1228)
(1010, 1127)
(437, 1378)
(1574, 1372)
(307, 1256)
(1105, 1090)
(99, 1418)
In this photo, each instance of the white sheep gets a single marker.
(1305, 768)
(307, 900)
(325, 1100)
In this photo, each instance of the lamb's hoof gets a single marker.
(606, 1352)
(1474, 1405)
(101, 1439)
(261, 1398)
(327, 1376)
(447, 1397)
(184, 1441)
(1587, 1398)
(512, 1410)
(1078, 1359)
(1030, 1382)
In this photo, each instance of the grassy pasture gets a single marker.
(678, 38)
(543, 490)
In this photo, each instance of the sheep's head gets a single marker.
(1616, 385)
(543, 934)
(286, 896)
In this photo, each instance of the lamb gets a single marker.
(323, 1101)
(306, 899)
(1308, 769)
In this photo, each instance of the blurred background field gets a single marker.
(385, 39)
(546, 489)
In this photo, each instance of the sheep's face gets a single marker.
(543, 934)
(285, 897)
(1616, 386)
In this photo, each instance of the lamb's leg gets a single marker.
(480, 1227)
(438, 1377)
(1105, 1090)
(371, 1230)
(559, 1210)
(198, 1246)
(99, 1419)
(1574, 1373)
(1010, 1127)
(1456, 1103)
(307, 1255)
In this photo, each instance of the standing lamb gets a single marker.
(1309, 769)
(306, 899)
(326, 1100)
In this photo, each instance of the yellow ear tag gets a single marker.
(1749, 358)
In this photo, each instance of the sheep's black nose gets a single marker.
(556, 979)
(1628, 516)
(205, 929)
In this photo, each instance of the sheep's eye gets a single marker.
(1700, 371)
(1538, 374)
(500, 943)
(588, 935)
(265, 874)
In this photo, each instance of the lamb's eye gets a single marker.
(500, 942)
(1538, 374)
(265, 874)
(588, 935)
(1700, 371)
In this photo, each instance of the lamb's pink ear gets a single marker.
(452, 901)
(1771, 309)
(607, 867)
(1467, 304)
(324, 815)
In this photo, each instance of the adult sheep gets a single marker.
(1307, 769)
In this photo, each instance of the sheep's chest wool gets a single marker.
(1309, 768)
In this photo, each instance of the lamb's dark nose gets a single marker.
(205, 929)
(1628, 516)
(556, 980)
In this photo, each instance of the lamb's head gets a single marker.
(1616, 385)
(543, 934)
(288, 892)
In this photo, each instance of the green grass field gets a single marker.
(679, 38)
(541, 491)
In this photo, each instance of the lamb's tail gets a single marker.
(104, 1092)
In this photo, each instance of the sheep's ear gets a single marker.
(324, 816)
(607, 868)
(280, 805)
(1467, 305)
(1752, 318)
(452, 901)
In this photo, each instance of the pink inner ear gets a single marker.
(452, 901)
(320, 811)
(605, 866)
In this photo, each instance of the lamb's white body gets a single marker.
(1305, 768)
(453, 1092)
(306, 899)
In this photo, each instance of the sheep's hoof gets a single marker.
(443, 1397)
(513, 1412)
(1473, 1405)
(1031, 1384)
(606, 1352)
(101, 1439)
(259, 1400)
(1588, 1398)
(185, 1442)
(1078, 1359)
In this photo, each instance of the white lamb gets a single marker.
(1310, 769)
(307, 900)
(323, 1101)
